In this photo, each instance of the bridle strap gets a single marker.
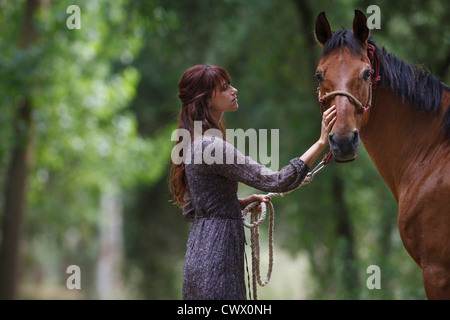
(342, 93)
(359, 106)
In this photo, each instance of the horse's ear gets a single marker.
(322, 29)
(360, 29)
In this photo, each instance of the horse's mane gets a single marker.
(411, 83)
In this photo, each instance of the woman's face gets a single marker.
(224, 99)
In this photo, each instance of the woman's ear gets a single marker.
(208, 102)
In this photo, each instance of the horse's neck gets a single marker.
(398, 139)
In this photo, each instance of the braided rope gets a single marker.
(256, 221)
(254, 224)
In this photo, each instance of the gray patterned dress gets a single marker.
(214, 262)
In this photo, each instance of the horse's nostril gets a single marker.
(331, 138)
(355, 136)
(344, 141)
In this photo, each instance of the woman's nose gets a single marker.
(234, 90)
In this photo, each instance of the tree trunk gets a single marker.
(16, 179)
(109, 264)
(307, 20)
(346, 240)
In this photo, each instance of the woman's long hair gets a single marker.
(195, 90)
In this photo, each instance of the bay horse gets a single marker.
(401, 114)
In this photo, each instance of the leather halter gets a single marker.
(374, 79)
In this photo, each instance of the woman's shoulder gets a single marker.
(209, 150)
(212, 141)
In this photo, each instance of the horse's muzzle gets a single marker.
(344, 147)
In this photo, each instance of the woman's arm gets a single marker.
(246, 170)
(311, 155)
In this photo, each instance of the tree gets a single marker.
(73, 87)
(16, 184)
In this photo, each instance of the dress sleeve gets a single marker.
(222, 158)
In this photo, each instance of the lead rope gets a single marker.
(255, 222)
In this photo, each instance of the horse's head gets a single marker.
(344, 73)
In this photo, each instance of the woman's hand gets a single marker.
(328, 120)
(243, 202)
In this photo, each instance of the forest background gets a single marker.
(86, 119)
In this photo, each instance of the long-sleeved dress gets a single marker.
(214, 262)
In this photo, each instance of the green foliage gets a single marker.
(86, 139)
(105, 103)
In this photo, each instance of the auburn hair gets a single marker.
(195, 90)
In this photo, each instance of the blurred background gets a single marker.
(86, 119)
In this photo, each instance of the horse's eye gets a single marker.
(367, 74)
(319, 76)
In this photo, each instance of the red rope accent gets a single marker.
(371, 53)
(327, 158)
(364, 109)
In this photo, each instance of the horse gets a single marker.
(401, 114)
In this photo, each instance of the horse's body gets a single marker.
(406, 132)
(412, 155)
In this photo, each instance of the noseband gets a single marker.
(359, 106)
(373, 82)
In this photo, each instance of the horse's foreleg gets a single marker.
(424, 229)
(436, 280)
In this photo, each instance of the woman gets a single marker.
(207, 192)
